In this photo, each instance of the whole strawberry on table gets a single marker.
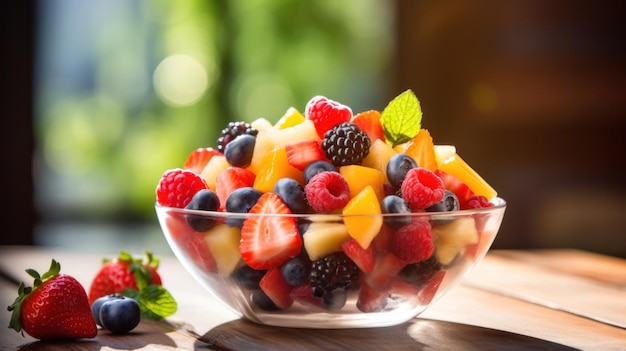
(55, 307)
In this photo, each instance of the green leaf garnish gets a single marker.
(155, 301)
(402, 118)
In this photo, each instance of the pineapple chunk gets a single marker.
(223, 242)
(323, 238)
(452, 238)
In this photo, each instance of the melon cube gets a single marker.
(323, 238)
(215, 166)
(358, 177)
(223, 242)
(362, 217)
(379, 154)
(452, 238)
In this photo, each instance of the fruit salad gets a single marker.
(327, 209)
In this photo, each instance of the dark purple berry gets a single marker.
(397, 168)
(204, 200)
(239, 151)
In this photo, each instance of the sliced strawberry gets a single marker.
(269, 241)
(276, 288)
(198, 158)
(304, 294)
(363, 258)
(370, 300)
(231, 179)
(386, 267)
(429, 291)
(369, 122)
(300, 154)
(198, 251)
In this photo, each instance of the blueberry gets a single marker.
(292, 194)
(449, 202)
(238, 152)
(335, 299)
(241, 201)
(395, 204)
(205, 200)
(295, 271)
(303, 225)
(262, 301)
(317, 167)
(120, 315)
(97, 305)
(397, 168)
(248, 277)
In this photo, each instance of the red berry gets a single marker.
(55, 307)
(477, 201)
(386, 267)
(177, 186)
(269, 241)
(326, 113)
(276, 288)
(300, 154)
(304, 294)
(413, 242)
(369, 122)
(198, 159)
(422, 188)
(231, 179)
(327, 191)
(363, 258)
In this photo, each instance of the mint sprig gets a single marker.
(402, 118)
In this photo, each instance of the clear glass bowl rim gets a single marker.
(498, 204)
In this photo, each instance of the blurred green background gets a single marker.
(126, 89)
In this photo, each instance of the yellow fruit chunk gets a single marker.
(421, 149)
(217, 164)
(362, 217)
(379, 154)
(452, 238)
(454, 165)
(290, 119)
(223, 242)
(275, 166)
(261, 124)
(323, 238)
(266, 140)
(358, 177)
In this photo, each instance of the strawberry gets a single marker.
(198, 159)
(428, 292)
(462, 191)
(304, 295)
(386, 267)
(137, 279)
(269, 241)
(177, 186)
(370, 300)
(300, 154)
(276, 288)
(363, 258)
(326, 113)
(369, 122)
(124, 272)
(56, 307)
(231, 179)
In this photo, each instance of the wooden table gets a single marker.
(513, 300)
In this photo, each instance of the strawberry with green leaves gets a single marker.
(135, 278)
(55, 307)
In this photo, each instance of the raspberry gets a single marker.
(327, 191)
(413, 242)
(177, 187)
(326, 113)
(422, 188)
(233, 130)
(477, 201)
(334, 271)
(345, 144)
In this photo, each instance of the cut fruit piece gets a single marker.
(274, 167)
(452, 238)
(276, 288)
(358, 177)
(323, 238)
(421, 149)
(454, 165)
(378, 157)
(223, 243)
(363, 258)
(362, 217)
(291, 118)
(261, 124)
(215, 166)
(369, 122)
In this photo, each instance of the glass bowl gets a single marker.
(388, 293)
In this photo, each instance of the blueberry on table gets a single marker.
(97, 305)
(120, 315)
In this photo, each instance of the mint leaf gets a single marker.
(402, 118)
(156, 302)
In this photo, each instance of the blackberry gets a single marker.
(417, 274)
(346, 144)
(233, 130)
(331, 272)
